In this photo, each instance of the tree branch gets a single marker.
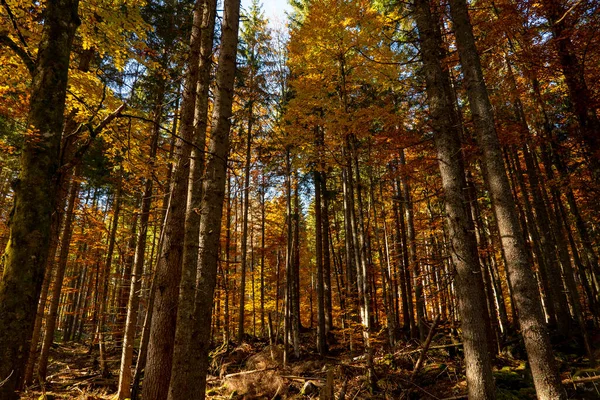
(13, 20)
(19, 51)
(94, 131)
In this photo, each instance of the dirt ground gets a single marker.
(255, 370)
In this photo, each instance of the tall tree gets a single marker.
(471, 297)
(181, 384)
(27, 250)
(254, 40)
(170, 263)
(124, 388)
(526, 297)
(212, 198)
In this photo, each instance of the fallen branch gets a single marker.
(441, 346)
(303, 378)
(581, 380)
(7, 378)
(342, 395)
(248, 372)
(425, 348)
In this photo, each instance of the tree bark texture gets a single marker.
(30, 222)
(525, 294)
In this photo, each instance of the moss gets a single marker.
(514, 383)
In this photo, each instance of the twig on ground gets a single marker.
(249, 372)
(7, 378)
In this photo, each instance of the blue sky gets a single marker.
(273, 9)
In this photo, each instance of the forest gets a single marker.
(386, 199)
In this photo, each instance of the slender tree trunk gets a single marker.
(321, 338)
(549, 246)
(212, 198)
(181, 385)
(581, 98)
(124, 389)
(50, 263)
(105, 279)
(402, 260)
(351, 266)
(72, 298)
(246, 207)
(170, 265)
(326, 254)
(288, 304)
(262, 255)
(227, 266)
(123, 290)
(413, 265)
(386, 285)
(296, 320)
(65, 242)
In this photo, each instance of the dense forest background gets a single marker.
(373, 199)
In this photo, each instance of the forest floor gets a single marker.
(254, 370)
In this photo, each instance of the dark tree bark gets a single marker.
(573, 69)
(321, 338)
(105, 278)
(535, 333)
(246, 208)
(326, 254)
(413, 263)
(30, 222)
(444, 120)
(41, 307)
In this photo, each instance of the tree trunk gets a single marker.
(321, 339)
(573, 70)
(463, 249)
(180, 385)
(123, 288)
(30, 222)
(212, 199)
(326, 254)
(124, 388)
(50, 262)
(105, 278)
(170, 265)
(65, 242)
(246, 207)
(411, 248)
(535, 334)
